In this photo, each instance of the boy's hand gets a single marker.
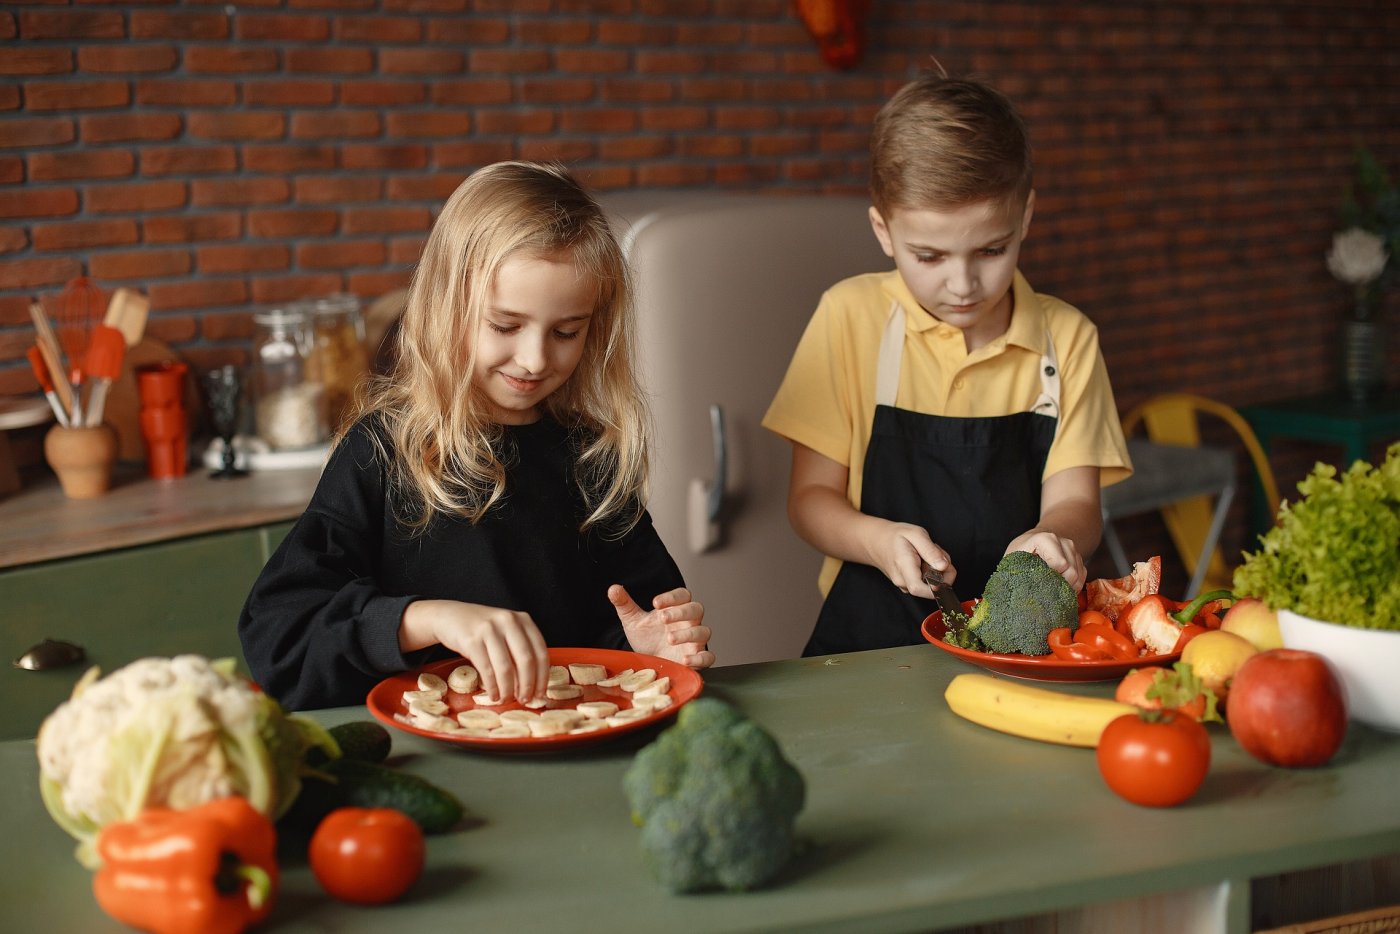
(900, 551)
(505, 646)
(673, 629)
(1058, 551)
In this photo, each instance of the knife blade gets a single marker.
(953, 615)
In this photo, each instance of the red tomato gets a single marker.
(367, 855)
(1154, 759)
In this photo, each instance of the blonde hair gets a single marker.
(446, 445)
(943, 142)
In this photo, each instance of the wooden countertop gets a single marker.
(39, 523)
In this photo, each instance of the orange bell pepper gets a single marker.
(211, 869)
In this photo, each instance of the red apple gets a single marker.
(1287, 708)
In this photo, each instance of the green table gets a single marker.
(917, 820)
(1333, 419)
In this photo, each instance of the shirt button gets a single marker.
(959, 383)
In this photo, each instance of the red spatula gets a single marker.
(106, 347)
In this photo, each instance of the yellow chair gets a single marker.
(1172, 419)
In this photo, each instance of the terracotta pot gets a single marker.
(82, 458)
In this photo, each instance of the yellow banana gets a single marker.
(1032, 712)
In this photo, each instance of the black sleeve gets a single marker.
(316, 630)
(641, 563)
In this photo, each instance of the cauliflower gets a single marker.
(167, 731)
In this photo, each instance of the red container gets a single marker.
(162, 384)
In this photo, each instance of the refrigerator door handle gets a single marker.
(707, 499)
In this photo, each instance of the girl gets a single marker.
(488, 501)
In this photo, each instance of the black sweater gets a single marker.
(320, 627)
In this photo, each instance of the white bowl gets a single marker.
(1365, 660)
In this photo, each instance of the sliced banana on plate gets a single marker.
(464, 679)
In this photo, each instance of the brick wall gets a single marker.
(1192, 155)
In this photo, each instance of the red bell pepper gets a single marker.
(1161, 623)
(211, 869)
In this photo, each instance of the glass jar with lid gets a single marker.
(338, 358)
(288, 404)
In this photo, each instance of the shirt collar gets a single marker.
(1027, 319)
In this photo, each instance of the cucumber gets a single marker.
(365, 740)
(370, 785)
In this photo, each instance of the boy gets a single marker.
(943, 414)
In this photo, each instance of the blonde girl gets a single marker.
(489, 500)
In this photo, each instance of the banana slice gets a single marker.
(616, 679)
(597, 710)
(564, 692)
(431, 706)
(434, 722)
(431, 682)
(463, 680)
(589, 726)
(535, 703)
(558, 674)
(474, 733)
(647, 702)
(518, 716)
(413, 697)
(479, 719)
(569, 718)
(659, 686)
(630, 715)
(638, 679)
(510, 731)
(486, 700)
(547, 728)
(586, 673)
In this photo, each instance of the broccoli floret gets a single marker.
(1024, 600)
(716, 801)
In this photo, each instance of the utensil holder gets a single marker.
(82, 458)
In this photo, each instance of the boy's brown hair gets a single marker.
(943, 142)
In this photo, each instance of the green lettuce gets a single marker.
(1335, 553)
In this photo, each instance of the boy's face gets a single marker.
(531, 334)
(959, 263)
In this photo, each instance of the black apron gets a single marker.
(972, 483)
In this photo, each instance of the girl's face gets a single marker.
(959, 264)
(531, 335)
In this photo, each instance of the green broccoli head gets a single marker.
(716, 801)
(1024, 600)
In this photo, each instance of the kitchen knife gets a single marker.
(953, 615)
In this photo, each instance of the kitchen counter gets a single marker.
(917, 820)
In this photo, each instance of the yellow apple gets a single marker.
(1251, 618)
(1215, 656)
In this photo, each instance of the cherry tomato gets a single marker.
(368, 856)
(1156, 759)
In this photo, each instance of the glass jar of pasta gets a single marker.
(288, 404)
(338, 358)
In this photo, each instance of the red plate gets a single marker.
(1039, 667)
(386, 699)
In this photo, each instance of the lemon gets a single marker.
(1215, 656)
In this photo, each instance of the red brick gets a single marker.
(39, 202)
(181, 24)
(556, 31)
(340, 254)
(447, 6)
(81, 235)
(334, 124)
(193, 228)
(468, 32)
(669, 62)
(360, 220)
(337, 5)
(591, 61)
(382, 93)
(314, 189)
(71, 24)
(558, 91)
(713, 147)
(638, 91)
(564, 150)
(243, 258)
(34, 273)
(609, 120)
(187, 160)
(516, 122)
(138, 59)
(239, 125)
(294, 93)
(346, 61)
(378, 29)
(12, 239)
(291, 288)
(435, 188)
(9, 97)
(178, 329)
(403, 156)
(749, 118)
(293, 223)
(476, 91)
(714, 89)
(713, 33)
(406, 249)
(634, 148)
(675, 118)
(281, 27)
(8, 27)
(39, 131)
(139, 265)
(76, 95)
(472, 153)
(667, 176)
(420, 61)
(230, 192)
(202, 92)
(135, 198)
(509, 61)
(780, 144)
(289, 157)
(609, 178)
(635, 33)
(226, 60)
(36, 61)
(121, 128)
(227, 327)
(197, 293)
(91, 163)
(431, 124)
(377, 283)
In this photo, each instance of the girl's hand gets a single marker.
(505, 646)
(900, 551)
(673, 629)
(1058, 551)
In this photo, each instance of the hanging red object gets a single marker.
(838, 26)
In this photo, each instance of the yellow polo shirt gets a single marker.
(827, 399)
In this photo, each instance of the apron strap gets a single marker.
(892, 355)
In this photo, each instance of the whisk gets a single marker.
(76, 311)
